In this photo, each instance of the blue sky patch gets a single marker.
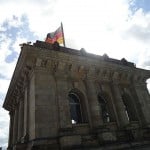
(144, 4)
(13, 32)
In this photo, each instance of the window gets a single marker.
(75, 108)
(104, 108)
(129, 108)
(126, 109)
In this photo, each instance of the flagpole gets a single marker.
(63, 34)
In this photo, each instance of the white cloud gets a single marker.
(39, 13)
(16, 44)
(4, 83)
(6, 69)
(148, 84)
(4, 48)
(4, 125)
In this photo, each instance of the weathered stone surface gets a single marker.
(109, 108)
(70, 141)
(107, 137)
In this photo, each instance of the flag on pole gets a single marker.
(57, 36)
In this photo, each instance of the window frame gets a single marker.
(74, 104)
(103, 102)
(129, 107)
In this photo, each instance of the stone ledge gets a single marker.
(69, 141)
(107, 137)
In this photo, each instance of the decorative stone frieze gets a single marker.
(116, 77)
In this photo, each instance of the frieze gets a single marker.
(82, 72)
(19, 89)
(41, 62)
(91, 72)
(75, 70)
(62, 66)
(54, 66)
(104, 75)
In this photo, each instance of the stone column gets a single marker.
(15, 125)
(11, 129)
(106, 88)
(120, 108)
(93, 103)
(62, 89)
(63, 104)
(20, 119)
(25, 113)
(136, 102)
(44, 119)
(122, 117)
(144, 102)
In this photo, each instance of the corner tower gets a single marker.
(61, 98)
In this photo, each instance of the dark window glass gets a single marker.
(104, 109)
(129, 108)
(75, 108)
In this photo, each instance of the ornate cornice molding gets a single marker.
(82, 71)
(17, 91)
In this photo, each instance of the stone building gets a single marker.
(61, 98)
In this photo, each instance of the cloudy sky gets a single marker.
(120, 28)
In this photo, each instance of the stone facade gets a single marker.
(61, 98)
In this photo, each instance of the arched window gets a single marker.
(75, 108)
(129, 107)
(104, 108)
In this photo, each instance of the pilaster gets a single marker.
(144, 101)
(15, 125)
(96, 116)
(20, 119)
(122, 117)
(10, 141)
(62, 90)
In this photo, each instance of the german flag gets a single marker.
(55, 36)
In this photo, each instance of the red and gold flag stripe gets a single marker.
(55, 36)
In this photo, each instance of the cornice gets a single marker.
(76, 70)
(16, 90)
